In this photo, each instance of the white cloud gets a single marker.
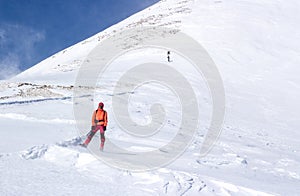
(9, 66)
(17, 47)
(1, 34)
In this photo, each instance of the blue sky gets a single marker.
(32, 30)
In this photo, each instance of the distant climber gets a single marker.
(169, 59)
(99, 122)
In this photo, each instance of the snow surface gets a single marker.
(255, 45)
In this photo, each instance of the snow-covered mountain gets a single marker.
(255, 45)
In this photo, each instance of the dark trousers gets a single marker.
(93, 132)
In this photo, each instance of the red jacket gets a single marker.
(99, 117)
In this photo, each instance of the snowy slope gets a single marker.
(255, 45)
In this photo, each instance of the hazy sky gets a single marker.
(32, 30)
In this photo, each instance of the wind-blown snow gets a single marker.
(255, 45)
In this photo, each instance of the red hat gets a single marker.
(101, 105)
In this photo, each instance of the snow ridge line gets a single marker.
(41, 100)
(35, 100)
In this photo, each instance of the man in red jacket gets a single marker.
(99, 122)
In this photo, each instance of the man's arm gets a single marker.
(93, 118)
(105, 119)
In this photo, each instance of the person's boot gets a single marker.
(102, 144)
(83, 145)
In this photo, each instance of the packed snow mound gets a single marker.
(35, 152)
(68, 153)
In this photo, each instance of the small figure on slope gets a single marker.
(169, 58)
